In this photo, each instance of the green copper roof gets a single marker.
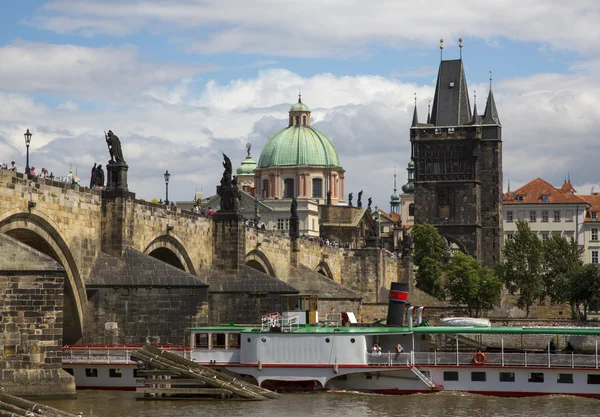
(299, 106)
(247, 168)
(395, 197)
(299, 146)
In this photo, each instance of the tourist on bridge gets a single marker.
(13, 166)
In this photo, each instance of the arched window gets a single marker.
(297, 120)
(411, 209)
(304, 120)
(288, 187)
(265, 188)
(290, 119)
(317, 188)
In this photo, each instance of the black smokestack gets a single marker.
(397, 298)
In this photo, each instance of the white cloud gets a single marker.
(334, 27)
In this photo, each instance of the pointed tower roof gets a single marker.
(451, 99)
(415, 119)
(476, 119)
(490, 115)
(429, 113)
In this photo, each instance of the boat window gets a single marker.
(594, 379)
(115, 373)
(564, 378)
(138, 373)
(478, 376)
(69, 371)
(536, 377)
(234, 340)
(450, 376)
(352, 340)
(91, 372)
(201, 341)
(218, 340)
(507, 377)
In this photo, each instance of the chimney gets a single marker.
(397, 299)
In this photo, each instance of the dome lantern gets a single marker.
(299, 114)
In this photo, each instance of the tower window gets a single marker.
(265, 188)
(297, 120)
(317, 188)
(411, 210)
(304, 120)
(288, 187)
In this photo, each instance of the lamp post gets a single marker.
(27, 142)
(378, 226)
(167, 176)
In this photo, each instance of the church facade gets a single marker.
(457, 158)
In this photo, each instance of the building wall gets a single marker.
(591, 243)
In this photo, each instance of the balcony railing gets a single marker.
(110, 355)
(525, 359)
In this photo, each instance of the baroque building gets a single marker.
(458, 167)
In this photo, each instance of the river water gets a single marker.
(331, 404)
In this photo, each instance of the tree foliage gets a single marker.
(522, 269)
(585, 290)
(562, 258)
(470, 284)
(428, 255)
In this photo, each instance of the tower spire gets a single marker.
(441, 49)
(474, 121)
(460, 46)
(395, 188)
(415, 120)
(299, 96)
(429, 112)
(490, 115)
(509, 185)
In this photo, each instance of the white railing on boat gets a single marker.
(109, 355)
(525, 359)
(287, 323)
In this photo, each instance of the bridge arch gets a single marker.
(324, 269)
(41, 234)
(170, 249)
(259, 260)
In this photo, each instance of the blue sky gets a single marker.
(181, 81)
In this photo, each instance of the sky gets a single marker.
(182, 81)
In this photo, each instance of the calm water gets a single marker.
(338, 404)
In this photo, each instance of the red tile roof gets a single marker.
(594, 202)
(532, 192)
(568, 188)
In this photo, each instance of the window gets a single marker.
(532, 216)
(304, 120)
(594, 215)
(544, 236)
(569, 216)
(450, 376)
(218, 340)
(510, 236)
(594, 234)
(297, 120)
(536, 377)
(283, 224)
(556, 215)
(317, 188)
(593, 379)
(115, 373)
(478, 376)
(545, 198)
(91, 372)
(564, 378)
(509, 216)
(234, 340)
(411, 210)
(507, 377)
(265, 189)
(201, 341)
(544, 215)
(288, 188)
(594, 256)
(139, 373)
(520, 198)
(69, 371)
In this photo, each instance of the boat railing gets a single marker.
(496, 359)
(287, 323)
(110, 355)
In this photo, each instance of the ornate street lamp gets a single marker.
(167, 176)
(27, 142)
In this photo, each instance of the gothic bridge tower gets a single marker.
(458, 167)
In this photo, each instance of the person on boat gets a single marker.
(376, 349)
(399, 348)
(552, 347)
(297, 308)
(569, 347)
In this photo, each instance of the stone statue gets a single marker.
(93, 176)
(369, 201)
(294, 208)
(228, 190)
(99, 177)
(350, 199)
(328, 198)
(114, 148)
(359, 201)
(227, 166)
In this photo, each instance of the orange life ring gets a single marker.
(479, 358)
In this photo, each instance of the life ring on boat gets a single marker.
(479, 358)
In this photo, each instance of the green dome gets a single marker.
(395, 197)
(411, 164)
(299, 146)
(408, 188)
(247, 168)
(299, 106)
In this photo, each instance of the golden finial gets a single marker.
(460, 46)
(441, 48)
(490, 80)
(299, 96)
(415, 99)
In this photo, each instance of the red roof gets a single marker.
(568, 188)
(533, 192)
(594, 202)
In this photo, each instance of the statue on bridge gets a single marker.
(97, 176)
(114, 148)
(359, 202)
(294, 207)
(228, 190)
(93, 176)
(350, 199)
(369, 201)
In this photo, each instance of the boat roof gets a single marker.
(311, 329)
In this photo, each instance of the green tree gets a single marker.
(471, 284)
(562, 258)
(428, 255)
(585, 290)
(522, 268)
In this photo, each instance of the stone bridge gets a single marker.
(75, 225)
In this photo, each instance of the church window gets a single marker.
(428, 167)
(455, 166)
(436, 167)
(317, 188)
(411, 210)
(288, 188)
(444, 203)
(297, 120)
(290, 119)
(265, 188)
(304, 120)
